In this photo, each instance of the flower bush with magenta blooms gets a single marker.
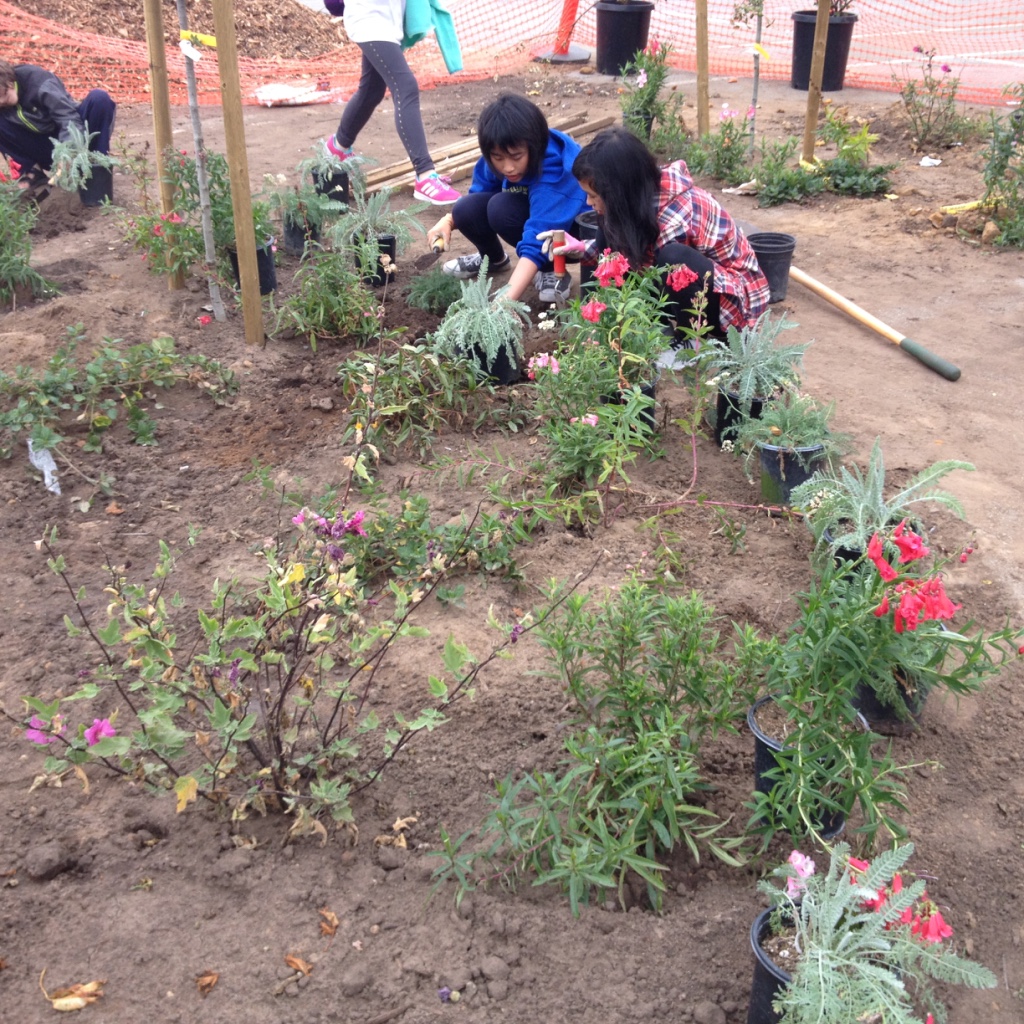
(643, 79)
(864, 942)
(930, 105)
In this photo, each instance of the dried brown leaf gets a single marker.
(206, 981)
(296, 963)
(330, 922)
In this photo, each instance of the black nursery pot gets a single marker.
(388, 245)
(585, 228)
(769, 978)
(296, 234)
(884, 719)
(782, 469)
(837, 50)
(99, 187)
(774, 251)
(264, 264)
(502, 371)
(334, 186)
(729, 415)
(622, 29)
(765, 749)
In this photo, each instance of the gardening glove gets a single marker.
(571, 248)
(441, 232)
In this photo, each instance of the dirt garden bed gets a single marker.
(111, 883)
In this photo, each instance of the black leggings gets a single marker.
(485, 218)
(385, 67)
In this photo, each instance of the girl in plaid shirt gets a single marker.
(657, 216)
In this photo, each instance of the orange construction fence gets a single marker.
(982, 41)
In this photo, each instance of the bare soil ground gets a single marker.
(210, 905)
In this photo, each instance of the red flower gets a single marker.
(857, 864)
(681, 278)
(592, 310)
(911, 546)
(157, 229)
(885, 570)
(611, 267)
(932, 929)
(204, 320)
(883, 608)
(922, 601)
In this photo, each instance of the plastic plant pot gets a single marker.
(769, 978)
(264, 264)
(622, 30)
(782, 469)
(774, 251)
(99, 188)
(837, 50)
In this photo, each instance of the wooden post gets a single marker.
(161, 97)
(814, 85)
(238, 168)
(703, 100)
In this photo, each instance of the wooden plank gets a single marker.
(459, 169)
(455, 149)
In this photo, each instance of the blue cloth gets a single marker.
(556, 199)
(425, 16)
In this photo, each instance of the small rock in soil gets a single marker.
(354, 979)
(48, 861)
(391, 857)
(494, 969)
(497, 990)
(707, 1012)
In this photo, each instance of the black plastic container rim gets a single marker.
(757, 930)
(789, 449)
(773, 744)
(772, 241)
(805, 16)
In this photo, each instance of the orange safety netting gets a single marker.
(981, 40)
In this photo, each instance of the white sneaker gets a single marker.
(466, 267)
(551, 288)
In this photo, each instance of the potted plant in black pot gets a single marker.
(749, 368)
(370, 220)
(622, 30)
(790, 441)
(304, 212)
(837, 47)
(78, 168)
(861, 941)
(485, 328)
(844, 507)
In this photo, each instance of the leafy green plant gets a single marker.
(778, 181)
(323, 165)
(648, 683)
(1004, 171)
(329, 302)
(930, 105)
(722, 154)
(371, 216)
(74, 160)
(16, 221)
(792, 423)
(434, 291)
(750, 364)
(116, 378)
(866, 940)
(851, 505)
(853, 178)
(643, 81)
(303, 206)
(481, 325)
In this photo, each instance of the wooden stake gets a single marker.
(161, 111)
(703, 99)
(238, 168)
(814, 85)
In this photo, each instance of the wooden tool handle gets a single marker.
(930, 359)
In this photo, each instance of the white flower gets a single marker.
(547, 325)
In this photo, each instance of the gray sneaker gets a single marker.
(465, 267)
(551, 288)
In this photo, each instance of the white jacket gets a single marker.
(374, 21)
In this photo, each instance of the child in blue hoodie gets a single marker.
(523, 184)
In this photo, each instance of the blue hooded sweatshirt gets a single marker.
(556, 199)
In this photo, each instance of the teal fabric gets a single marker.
(425, 16)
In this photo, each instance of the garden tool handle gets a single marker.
(557, 239)
(941, 366)
(438, 245)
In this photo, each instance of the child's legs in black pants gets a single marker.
(485, 218)
(681, 303)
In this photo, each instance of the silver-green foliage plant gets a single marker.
(852, 505)
(372, 216)
(751, 364)
(484, 324)
(869, 942)
(73, 160)
(17, 218)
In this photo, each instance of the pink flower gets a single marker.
(355, 524)
(918, 49)
(910, 544)
(100, 728)
(204, 320)
(856, 864)
(590, 420)
(592, 310)
(680, 278)
(883, 608)
(932, 929)
(727, 114)
(35, 732)
(299, 519)
(653, 47)
(540, 361)
(157, 229)
(611, 267)
(885, 570)
(963, 557)
(804, 868)
(946, 69)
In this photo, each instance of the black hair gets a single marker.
(623, 172)
(7, 78)
(512, 121)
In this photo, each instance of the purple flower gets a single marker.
(918, 49)
(517, 631)
(84, 673)
(235, 671)
(335, 552)
(445, 993)
(35, 733)
(100, 728)
(946, 69)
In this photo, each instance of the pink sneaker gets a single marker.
(332, 147)
(435, 190)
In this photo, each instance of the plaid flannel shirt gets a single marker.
(688, 214)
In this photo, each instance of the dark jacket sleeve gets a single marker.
(45, 102)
